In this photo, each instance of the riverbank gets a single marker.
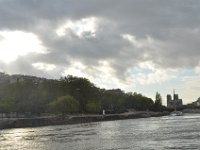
(195, 110)
(6, 123)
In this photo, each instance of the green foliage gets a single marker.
(35, 95)
(158, 100)
(113, 100)
(7, 105)
(138, 101)
(81, 89)
(64, 104)
(158, 103)
(93, 107)
(31, 95)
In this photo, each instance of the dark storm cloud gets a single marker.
(173, 25)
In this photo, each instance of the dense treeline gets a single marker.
(67, 95)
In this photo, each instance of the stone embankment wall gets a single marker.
(44, 121)
(191, 110)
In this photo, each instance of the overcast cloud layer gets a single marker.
(135, 45)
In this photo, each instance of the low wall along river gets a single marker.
(44, 121)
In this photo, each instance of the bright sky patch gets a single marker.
(18, 43)
(44, 66)
(139, 43)
(85, 27)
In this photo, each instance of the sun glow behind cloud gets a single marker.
(18, 43)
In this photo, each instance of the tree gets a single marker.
(138, 101)
(93, 107)
(64, 104)
(21, 94)
(113, 100)
(7, 105)
(158, 102)
(81, 89)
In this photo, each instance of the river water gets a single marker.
(179, 132)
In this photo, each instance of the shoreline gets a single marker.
(8, 123)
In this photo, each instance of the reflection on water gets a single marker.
(179, 132)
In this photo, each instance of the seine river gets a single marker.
(181, 132)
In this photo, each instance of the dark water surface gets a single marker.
(181, 132)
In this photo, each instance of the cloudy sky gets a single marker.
(136, 45)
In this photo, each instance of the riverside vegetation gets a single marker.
(28, 94)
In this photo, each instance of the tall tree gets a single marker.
(81, 89)
(158, 102)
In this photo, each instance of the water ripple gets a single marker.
(179, 133)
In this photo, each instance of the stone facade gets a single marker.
(175, 102)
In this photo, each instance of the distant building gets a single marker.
(197, 102)
(5, 78)
(175, 102)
